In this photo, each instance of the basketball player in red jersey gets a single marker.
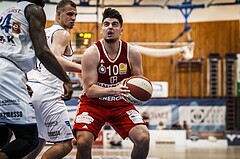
(104, 66)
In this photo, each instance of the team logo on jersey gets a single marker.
(102, 69)
(16, 27)
(122, 68)
(102, 61)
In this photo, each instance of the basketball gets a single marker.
(140, 90)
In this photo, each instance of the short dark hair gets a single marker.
(63, 3)
(112, 13)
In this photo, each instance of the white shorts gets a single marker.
(15, 103)
(51, 113)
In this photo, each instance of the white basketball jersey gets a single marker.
(41, 74)
(15, 43)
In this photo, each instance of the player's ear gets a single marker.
(121, 31)
(58, 15)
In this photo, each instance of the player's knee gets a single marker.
(142, 139)
(67, 146)
(83, 145)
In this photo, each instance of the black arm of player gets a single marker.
(37, 20)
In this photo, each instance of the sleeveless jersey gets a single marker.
(15, 42)
(40, 74)
(111, 73)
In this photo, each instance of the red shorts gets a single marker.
(91, 117)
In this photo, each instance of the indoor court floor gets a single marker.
(167, 151)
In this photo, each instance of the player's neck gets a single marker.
(112, 48)
(58, 23)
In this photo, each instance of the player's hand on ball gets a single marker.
(140, 90)
(68, 91)
(123, 82)
(121, 89)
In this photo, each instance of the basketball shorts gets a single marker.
(15, 103)
(51, 113)
(92, 117)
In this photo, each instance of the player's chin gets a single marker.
(71, 26)
(110, 40)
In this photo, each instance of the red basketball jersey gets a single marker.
(111, 72)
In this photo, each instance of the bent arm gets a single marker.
(135, 61)
(61, 46)
(37, 20)
(90, 77)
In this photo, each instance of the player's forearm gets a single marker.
(96, 91)
(69, 66)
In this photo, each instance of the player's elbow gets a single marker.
(90, 94)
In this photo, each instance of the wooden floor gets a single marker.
(168, 151)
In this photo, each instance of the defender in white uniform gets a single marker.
(16, 57)
(51, 115)
(21, 40)
(51, 112)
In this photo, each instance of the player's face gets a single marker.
(68, 17)
(111, 30)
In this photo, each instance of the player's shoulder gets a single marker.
(91, 50)
(34, 9)
(133, 49)
(62, 33)
(90, 53)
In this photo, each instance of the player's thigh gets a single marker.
(124, 119)
(58, 127)
(90, 118)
